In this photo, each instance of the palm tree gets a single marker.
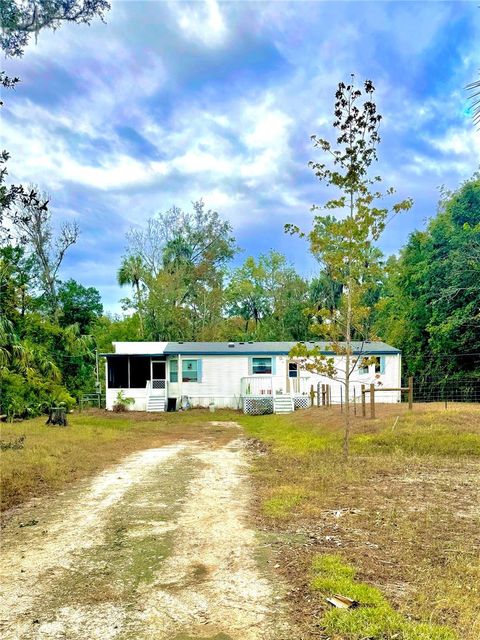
(131, 272)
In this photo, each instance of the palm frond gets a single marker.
(474, 96)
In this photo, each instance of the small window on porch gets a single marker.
(262, 366)
(292, 370)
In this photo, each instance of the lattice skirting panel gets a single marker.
(258, 406)
(301, 402)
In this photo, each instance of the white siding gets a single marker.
(140, 396)
(139, 348)
(221, 381)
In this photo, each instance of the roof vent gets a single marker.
(180, 342)
(241, 343)
(231, 344)
(250, 342)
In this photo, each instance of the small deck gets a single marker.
(262, 394)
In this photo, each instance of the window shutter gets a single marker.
(199, 370)
(250, 366)
(274, 365)
(382, 364)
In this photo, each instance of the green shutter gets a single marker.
(199, 370)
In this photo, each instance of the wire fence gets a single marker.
(447, 389)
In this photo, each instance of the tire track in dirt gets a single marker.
(207, 581)
(211, 582)
(32, 560)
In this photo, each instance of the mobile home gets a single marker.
(256, 377)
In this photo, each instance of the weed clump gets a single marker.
(374, 618)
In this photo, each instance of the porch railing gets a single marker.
(270, 386)
(157, 387)
(257, 386)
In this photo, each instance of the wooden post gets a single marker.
(323, 395)
(372, 401)
(318, 394)
(364, 412)
(341, 399)
(312, 395)
(410, 392)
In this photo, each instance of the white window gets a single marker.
(190, 371)
(262, 366)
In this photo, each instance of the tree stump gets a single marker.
(57, 416)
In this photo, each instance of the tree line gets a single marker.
(180, 283)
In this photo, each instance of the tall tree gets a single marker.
(46, 246)
(270, 297)
(431, 305)
(79, 305)
(183, 256)
(132, 272)
(344, 244)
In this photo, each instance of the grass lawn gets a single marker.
(55, 456)
(396, 527)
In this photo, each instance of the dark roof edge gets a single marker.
(391, 352)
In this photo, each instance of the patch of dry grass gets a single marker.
(404, 510)
(55, 456)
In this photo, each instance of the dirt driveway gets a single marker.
(156, 547)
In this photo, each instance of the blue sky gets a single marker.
(169, 102)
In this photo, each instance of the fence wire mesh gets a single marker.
(446, 390)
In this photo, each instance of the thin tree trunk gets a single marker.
(140, 313)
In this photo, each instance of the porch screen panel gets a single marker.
(118, 372)
(139, 371)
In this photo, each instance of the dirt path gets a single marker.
(157, 547)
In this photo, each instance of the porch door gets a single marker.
(158, 370)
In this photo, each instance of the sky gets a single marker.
(170, 102)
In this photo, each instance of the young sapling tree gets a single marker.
(344, 243)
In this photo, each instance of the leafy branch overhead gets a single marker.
(22, 18)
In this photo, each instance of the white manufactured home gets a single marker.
(257, 377)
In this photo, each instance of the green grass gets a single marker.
(374, 618)
(402, 510)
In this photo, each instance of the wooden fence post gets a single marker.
(323, 395)
(312, 395)
(410, 392)
(372, 401)
(318, 394)
(364, 411)
(329, 395)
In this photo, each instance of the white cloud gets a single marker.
(202, 21)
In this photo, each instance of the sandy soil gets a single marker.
(157, 547)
